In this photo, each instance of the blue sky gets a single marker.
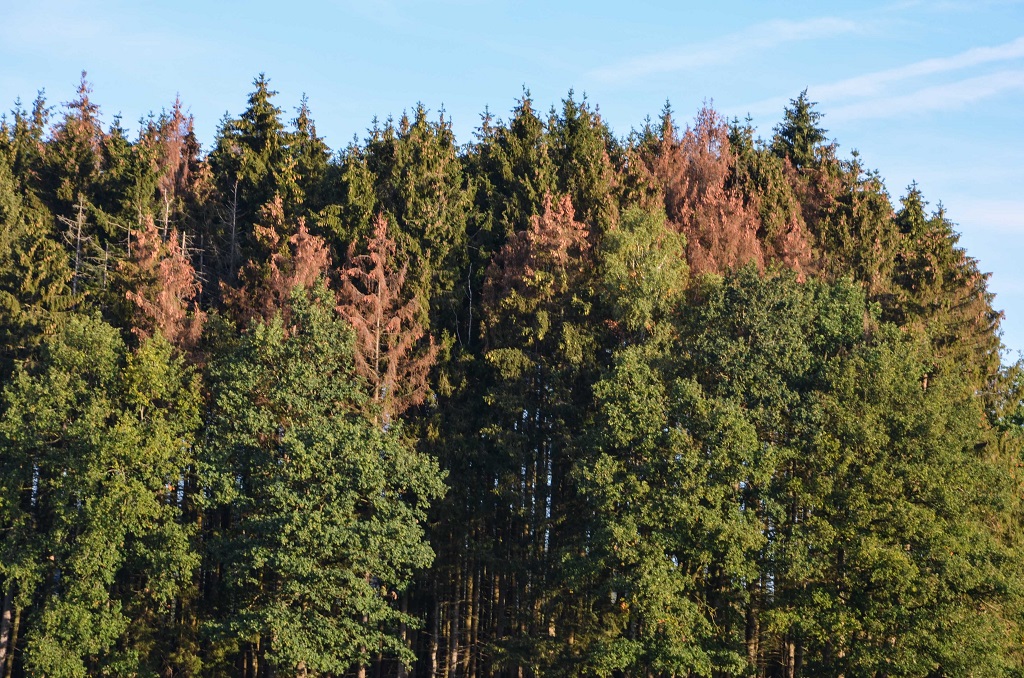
(931, 91)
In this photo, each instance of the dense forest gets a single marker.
(549, 402)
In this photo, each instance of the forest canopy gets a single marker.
(544, 402)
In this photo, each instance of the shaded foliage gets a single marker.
(553, 403)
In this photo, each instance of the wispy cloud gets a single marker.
(874, 90)
(935, 98)
(871, 84)
(725, 49)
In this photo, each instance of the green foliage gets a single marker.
(326, 506)
(799, 137)
(706, 404)
(940, 289)
(96, 441)
(34, 273)
(579, 147)
(644, 272)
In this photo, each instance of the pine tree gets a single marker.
(280, 264)
(34, 273)
(250, 167)
(163, 288)
(537, 346)
(420, 188)
(310, 156)
(940, 290)
(798, 137)
(579, 146)
(700, 198)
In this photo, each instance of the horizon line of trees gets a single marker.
(550, 402)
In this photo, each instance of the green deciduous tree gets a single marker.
(325, 506)
(96, 442)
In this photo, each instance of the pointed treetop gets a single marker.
(799, 135)
(392, 349)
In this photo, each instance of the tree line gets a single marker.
(550, 402)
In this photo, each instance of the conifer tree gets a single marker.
(249, 167)
(280, 264)
(762, 177)
(388, 349)
(695, 171)
(163, 288)
(34, 273)
(309, 155)
(798, 137)
(537, 340)
(939, 289)
(74, 156)
(420, 188)
(170, 146)
(23, 140)
(579, 147)
(511, 171)
(517, 163)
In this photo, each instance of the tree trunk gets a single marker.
(454, 620)
(5, 622)
(474, 626)
(167, 217)
(403, 631)
(753, 630)
(435, 630)
(9, 667)
(234, 232)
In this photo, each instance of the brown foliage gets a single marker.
(719, 225)
(532, 262)
(175, 148)
(531, 284)
(164, 288)
(389, 349)
(267, 284)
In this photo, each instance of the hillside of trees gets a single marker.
(547, 402)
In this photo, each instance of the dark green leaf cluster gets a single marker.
(551, 403)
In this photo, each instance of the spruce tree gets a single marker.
(799, 137)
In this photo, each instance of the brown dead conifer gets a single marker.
(175, 147)
(289, 262)
(536, 265)
(720, 227)
(390, 351)
(552, 242)
(164, 288)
